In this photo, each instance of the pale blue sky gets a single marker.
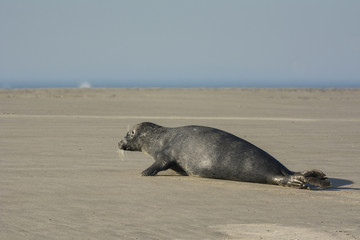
(182, 43)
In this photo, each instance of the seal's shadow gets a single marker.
(338, 184)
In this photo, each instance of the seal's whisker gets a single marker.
(122, 154)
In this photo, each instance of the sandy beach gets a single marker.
(61, 176)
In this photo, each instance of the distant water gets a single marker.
(179, 84)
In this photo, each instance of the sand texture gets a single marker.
(61, 176)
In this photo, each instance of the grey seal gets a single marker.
(213, 153)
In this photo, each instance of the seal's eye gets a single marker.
(132, 133)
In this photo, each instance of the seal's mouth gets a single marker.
(122, 145)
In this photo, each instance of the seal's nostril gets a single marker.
(122, 144)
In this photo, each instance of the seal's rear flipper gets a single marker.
(300, 179)
(316, 178)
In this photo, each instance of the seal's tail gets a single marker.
(300, 179)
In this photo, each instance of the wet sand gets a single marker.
(62, 178)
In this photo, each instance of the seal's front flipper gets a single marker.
(149, 172)
(179, 170)
(152, 170)
(155, 168)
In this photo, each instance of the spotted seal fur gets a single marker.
(213, 153)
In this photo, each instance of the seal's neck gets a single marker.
(156, 141)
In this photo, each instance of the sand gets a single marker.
(61, 176)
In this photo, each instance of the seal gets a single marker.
(213, 153)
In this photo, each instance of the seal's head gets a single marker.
(138, 137)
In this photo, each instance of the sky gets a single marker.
(179, 43)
